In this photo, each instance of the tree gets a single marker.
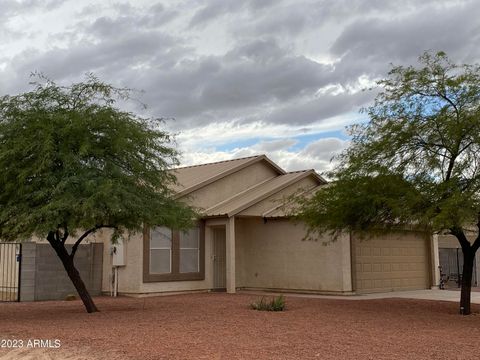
(72, 163)
(415, 163)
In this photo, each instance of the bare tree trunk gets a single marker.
(72, 273)
(467, 272)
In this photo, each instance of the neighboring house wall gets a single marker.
(451, 242)
(274, 255)
(92, 238)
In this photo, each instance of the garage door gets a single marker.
(398, 261)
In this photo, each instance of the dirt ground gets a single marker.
(222, 326)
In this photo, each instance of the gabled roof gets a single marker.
(191, 178)
(283, 209)
(259, 192)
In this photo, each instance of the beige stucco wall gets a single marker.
(451, 242)
(92, 238)
(230, 185)
(277, 198)
(273, 255)
(130, 277)
(268, 255)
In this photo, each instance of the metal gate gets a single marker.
(451, 263)
(10, 267)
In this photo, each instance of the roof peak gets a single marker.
(299, 171)
(219, 162)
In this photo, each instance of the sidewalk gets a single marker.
(440, 295)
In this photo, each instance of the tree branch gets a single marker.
(460, 235)
(85, 234)
(447, 99)
(65, 235)
(51, 238)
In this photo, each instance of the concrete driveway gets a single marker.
(434, 294)
(443, 295)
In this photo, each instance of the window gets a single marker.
(189, 251)
(160, 250)
(173, 255)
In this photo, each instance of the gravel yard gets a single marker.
(221, 326)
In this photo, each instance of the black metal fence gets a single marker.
(10, 267)
(451, 263)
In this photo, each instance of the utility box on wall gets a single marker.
(118, 253)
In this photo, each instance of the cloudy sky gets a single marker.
(280, 77)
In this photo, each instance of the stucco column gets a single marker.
(347, 281)
(230, 252)
(436, 262)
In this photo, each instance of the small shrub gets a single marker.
(259, 305)
(277, 303)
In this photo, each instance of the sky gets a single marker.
(237, 78)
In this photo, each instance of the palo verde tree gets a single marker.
(72, 163)
(415, 163)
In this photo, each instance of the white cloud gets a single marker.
(246, 76)
(316, 155)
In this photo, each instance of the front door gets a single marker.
(219, 259)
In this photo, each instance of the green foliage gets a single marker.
(277, 303)
(415, 162)
(71, 159)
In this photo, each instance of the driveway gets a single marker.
(434, 294)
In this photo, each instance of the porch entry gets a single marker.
(219, 259)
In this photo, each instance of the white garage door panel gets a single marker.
(392, 262)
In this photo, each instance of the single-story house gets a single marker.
(245, 240)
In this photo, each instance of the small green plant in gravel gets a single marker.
(277, 303)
